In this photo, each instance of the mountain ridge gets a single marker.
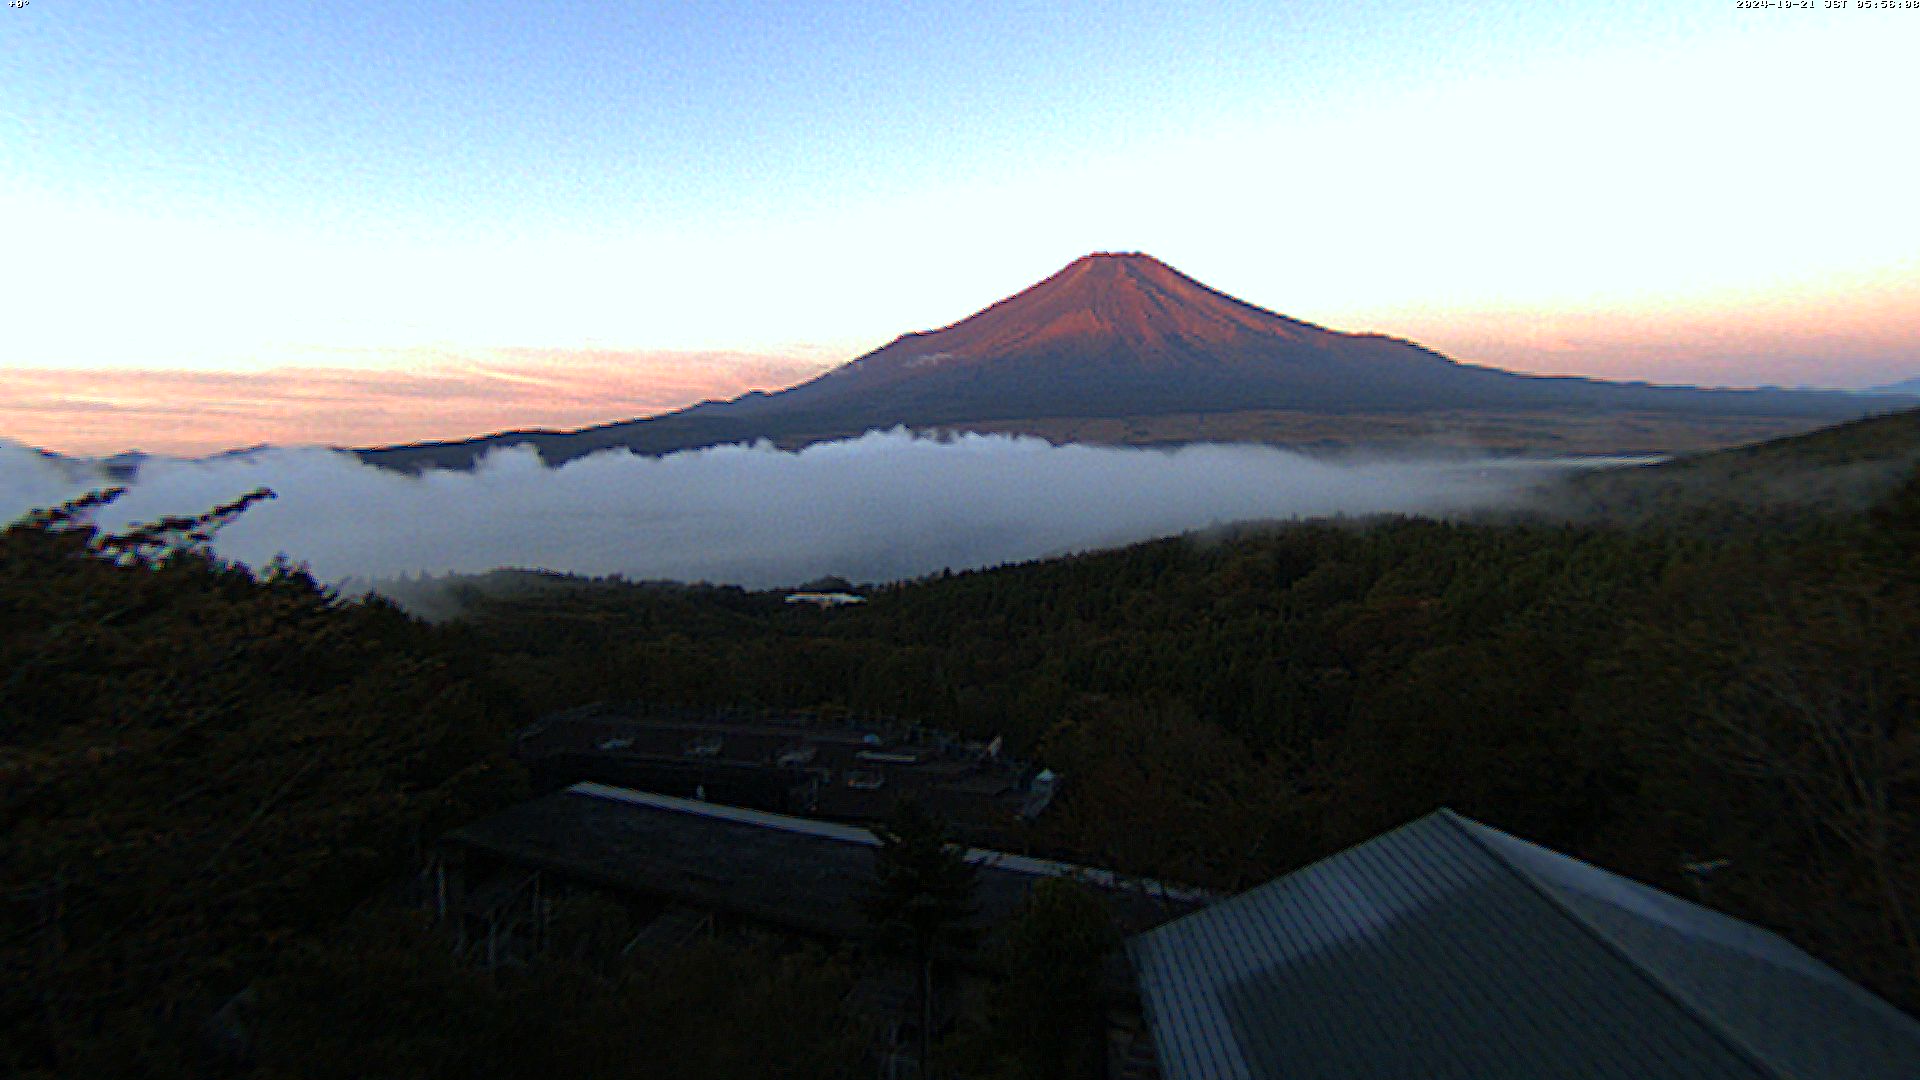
(1122, 334)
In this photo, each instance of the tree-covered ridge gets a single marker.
(1841, 469)
(1230, 707)
(216, 784)
(204, 768)
(211, 776)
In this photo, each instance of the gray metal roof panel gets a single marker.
(1441, 950)
(781, 870)
(1801, 1017)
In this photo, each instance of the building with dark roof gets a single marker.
(851, 770)
(1448, 949)
(683, 867)
(826, 599)
(747, 866)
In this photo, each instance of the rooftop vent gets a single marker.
(796, 756)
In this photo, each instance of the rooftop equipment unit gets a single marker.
(793, 757)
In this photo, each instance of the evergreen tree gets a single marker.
(920, 901)
(1045, 1012)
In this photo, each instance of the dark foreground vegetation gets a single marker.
(213, 782)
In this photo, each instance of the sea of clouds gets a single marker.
(885, 506)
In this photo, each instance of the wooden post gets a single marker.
(926, 1012)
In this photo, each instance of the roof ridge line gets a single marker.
(1738, 1045)
(840, 832)
(738, 815)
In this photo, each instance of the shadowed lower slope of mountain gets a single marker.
(1125, 335)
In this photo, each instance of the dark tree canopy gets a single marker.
(202, 766)
(1045, 1014)
(921, 898)
(210, 775)
(1230, 707)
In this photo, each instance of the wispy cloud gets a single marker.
(370, 398)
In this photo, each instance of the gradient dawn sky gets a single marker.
(352, 222)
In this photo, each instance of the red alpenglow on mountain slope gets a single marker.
(1128, 335)
(1125, 335)
(1115, 334)
(1115, 302)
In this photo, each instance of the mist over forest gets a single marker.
(884, 506)
(1651, 682)
(637, 541)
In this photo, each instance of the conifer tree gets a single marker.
(920, 901)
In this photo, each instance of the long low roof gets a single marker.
(781, 870)
(1448, 949)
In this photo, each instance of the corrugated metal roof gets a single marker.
(1779, 1003)
(1448, 949)
(785, 871)
(853, 834)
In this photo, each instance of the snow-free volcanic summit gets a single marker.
(1125, 335)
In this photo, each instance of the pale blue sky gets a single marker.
(438, 120)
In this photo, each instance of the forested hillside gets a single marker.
(214, 785)
(1232, 706)
(1835, 470)
(216, 781)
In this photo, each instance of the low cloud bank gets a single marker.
(884, 506)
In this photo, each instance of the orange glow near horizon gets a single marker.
(1847, 331)
(1851, 333)
(230, 230)
(96, 412)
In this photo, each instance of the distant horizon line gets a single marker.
(442, 393)
(1890, 391)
